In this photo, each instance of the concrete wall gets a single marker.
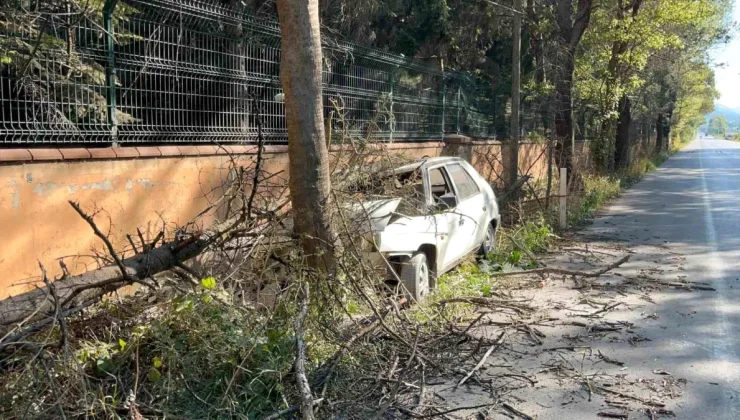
(145, 187)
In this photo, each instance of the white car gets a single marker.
(458, 216)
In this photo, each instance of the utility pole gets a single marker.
(513, 166)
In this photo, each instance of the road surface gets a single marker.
(679, 347)
(692, 205)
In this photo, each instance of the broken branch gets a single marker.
(497, 344)
(550, 270)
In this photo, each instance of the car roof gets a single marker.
(431, 161)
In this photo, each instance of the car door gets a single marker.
(469, 213)
(442, 201)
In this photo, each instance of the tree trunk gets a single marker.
(669, 119)
(616, 78)
(564, 113)
(621, 152)
(512, 170)
(570, 31)
(659, 133)
(300, 74)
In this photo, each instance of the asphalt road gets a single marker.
(674, 345)
(691, 205)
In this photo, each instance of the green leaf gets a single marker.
(122, 344)
(154, 375)
(208, 283)
(157, 362)
(515, 257)
(183, 305)
(5, 59)
(104, 365)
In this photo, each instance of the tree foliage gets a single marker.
(718, 126)
(654, 53)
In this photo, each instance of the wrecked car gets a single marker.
(447, 212)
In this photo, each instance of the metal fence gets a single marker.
(190, 71)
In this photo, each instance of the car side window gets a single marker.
(440, 187)
(466, 186)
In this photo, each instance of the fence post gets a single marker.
(391, 81)
(459, 96)
(110, 69)
(563, 197)
(444, 104)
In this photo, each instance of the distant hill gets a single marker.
(730, 113)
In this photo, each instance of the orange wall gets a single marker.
(38, 224)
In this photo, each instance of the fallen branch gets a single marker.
(611, 415)
(689, 286)
(517, 412)
(87, 218)
(610, 360)
(602, 310)
(96, 283)
(631, 397)
(82, 289)
(441, 413)
(508, 304)
(516, 186)
(561, 271)
(497, 344)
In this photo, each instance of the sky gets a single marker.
(727, 77)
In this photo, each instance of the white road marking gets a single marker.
(722, 350)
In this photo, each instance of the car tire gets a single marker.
(489, 241)
(415, 276)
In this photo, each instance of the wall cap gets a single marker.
(29, 155)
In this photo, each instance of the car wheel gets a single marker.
(489, 241)
(415, 277)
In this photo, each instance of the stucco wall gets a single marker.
(143, 188)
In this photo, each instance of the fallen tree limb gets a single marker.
(630, 397)
(550, 270)
(482, 301)
(441, 413)
(611, 415)
(497, 344)
(606, 308)
(84, 288)
(516, 186)
(517, 412)
(689, 286)
(96, 283)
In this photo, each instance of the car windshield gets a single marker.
(407, 185)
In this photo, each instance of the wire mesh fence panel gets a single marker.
(196, 71)
(51, 85)
(195, 78)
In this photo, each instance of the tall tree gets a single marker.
(632, 61)
(570, 28)
(718, 126)
(619, 48)
(300, 74)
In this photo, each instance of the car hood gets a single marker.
(374, 214)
